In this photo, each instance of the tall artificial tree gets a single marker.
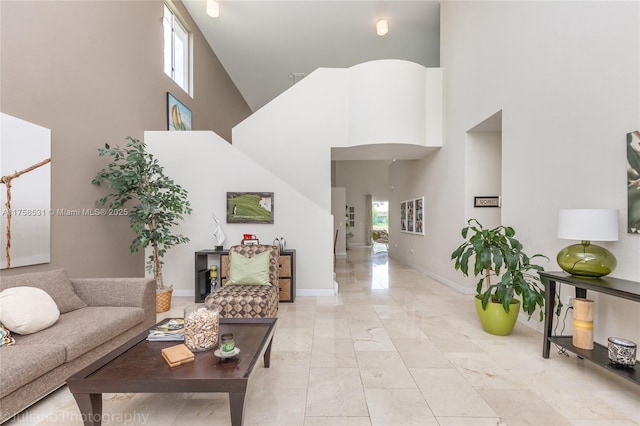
(134, 176)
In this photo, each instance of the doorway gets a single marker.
(380, 225)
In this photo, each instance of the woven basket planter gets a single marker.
(163, 300)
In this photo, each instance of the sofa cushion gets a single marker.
(81, 330)
(26, 310)
(249, 270)
(56, 283)
(23, 363)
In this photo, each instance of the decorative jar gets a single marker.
(201, 327)
(622, 352)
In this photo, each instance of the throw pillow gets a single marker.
(56, 283)
(5, 336)
(26, 310)
(249, 270)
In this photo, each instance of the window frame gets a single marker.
(172, 21)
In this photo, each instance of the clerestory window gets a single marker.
(176, 49)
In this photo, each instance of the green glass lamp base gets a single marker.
(587, 260)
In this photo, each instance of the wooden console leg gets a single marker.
(236, 403)
(90, 405)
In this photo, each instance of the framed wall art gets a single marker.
(412, 216)
(249, 207)
(178, 115)
(633, 182)
(25, 193)
(490, 201)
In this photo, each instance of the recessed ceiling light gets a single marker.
(213, 8)
(382, 27)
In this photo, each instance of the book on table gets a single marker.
(177, 355)
(171, 329)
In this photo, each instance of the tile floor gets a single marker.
(394, 347)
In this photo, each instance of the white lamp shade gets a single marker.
(588, 224)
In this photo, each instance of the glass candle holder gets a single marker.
(201, 327)
(227, 343)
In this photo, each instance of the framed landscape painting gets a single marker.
(249, 207)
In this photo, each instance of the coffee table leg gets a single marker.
(90, 405)
(236, 401)
(267, 354)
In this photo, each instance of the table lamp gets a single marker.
(586, 259)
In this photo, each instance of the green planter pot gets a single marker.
(495, 320)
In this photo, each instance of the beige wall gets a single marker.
(91, 71)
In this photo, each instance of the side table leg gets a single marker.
(90, 405)
(267, 355)
(236, 402)
(549, 301)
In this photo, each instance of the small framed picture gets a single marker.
(178, 115)
(250, 242)
(491, 201)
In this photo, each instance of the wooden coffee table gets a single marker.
(138, 367)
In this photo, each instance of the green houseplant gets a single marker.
(135, 176)
(497, 253)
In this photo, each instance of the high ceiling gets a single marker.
(262, 44)
(267, 46)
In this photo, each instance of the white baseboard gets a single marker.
(306, 292)
(359, 245)
(522, 317)
(184, 293)
(454, 285)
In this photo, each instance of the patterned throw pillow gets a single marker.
(5, 336)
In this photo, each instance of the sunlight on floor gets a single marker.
(379, 248)
(379, 270)
(380, 277)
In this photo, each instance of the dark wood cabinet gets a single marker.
(202, 263)
(286, 274)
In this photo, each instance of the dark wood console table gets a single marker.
(612, 286)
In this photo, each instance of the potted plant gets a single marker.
(135, 176)
(497, 253)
